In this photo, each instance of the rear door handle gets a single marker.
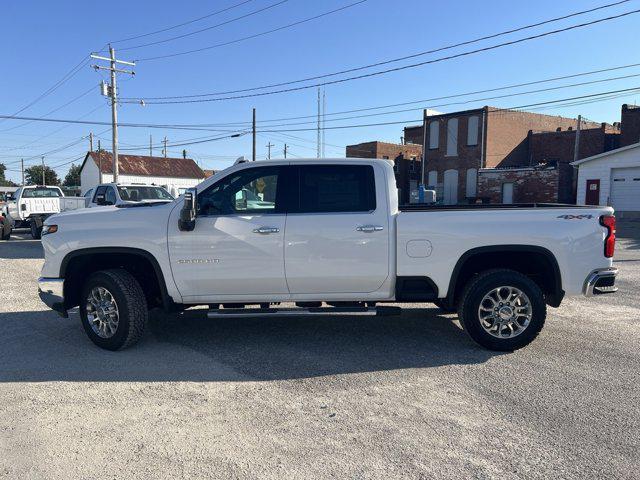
(370, 228)
(266, 230)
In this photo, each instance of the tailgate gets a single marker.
(38, 206)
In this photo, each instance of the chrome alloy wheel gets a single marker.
(102, 312)
(505, 312)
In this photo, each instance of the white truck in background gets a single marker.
(329, 236)
(117, 194)
(31, 205)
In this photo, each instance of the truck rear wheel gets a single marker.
(36, 233)
(113, 309)
(502, 310)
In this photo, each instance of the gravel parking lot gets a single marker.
(389, 397)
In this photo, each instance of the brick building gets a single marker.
(629, 125)
(406, 159)
(461, 146)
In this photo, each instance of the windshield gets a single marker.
(41, 192)
(141, 193)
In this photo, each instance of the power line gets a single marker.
(342, 127)
(495, 97)
(54, 110)
(450, 57)
(422, 101)
(299, 22)
(55, 86)
(581, 97)
(226, 22)
(184, 23)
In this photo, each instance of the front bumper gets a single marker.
(51, 292)
(600, 281)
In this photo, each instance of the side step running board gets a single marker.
(270, 312)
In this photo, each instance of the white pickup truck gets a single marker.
(118, 194)
(30, 205)
(329, 236)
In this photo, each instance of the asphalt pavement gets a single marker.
(339, 397)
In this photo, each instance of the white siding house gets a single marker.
(175, 174)
(611, 178)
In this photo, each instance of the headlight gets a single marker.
(47, 229)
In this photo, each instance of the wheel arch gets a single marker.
(79, 264)
(522, 258)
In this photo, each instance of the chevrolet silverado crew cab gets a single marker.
(328, 236)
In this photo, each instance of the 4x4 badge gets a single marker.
(575, 217)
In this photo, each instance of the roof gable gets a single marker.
(606, 154)
(146, 166)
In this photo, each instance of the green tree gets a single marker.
(73, 176)
(3, 181)
(33, 175)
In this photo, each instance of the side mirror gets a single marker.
(187, 221)
(100, 199)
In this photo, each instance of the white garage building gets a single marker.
(611, 178)
(175, 174)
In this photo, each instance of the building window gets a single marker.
(472, 180)
(452, 137)
(472, 131)
(434, 133)
(385, 157)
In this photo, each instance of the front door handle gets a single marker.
(370, 228)
(266, 230)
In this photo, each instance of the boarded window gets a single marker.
(433, 178)
(472, 131)
(434, 133)
(472, 179)
(452, 137)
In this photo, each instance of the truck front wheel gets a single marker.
(502, 310)
(113, 309)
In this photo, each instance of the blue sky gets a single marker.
(44, 40)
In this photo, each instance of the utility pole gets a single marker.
(113, 94)
(424, 148)
(269, 145)
(184, 153)
(324, 119)
(151, 145)
(285, 150)
(318, 128)
(43, 179)
(576, 146)
(91, 141)
(99, 163)
(253, 153)
(22, 169)
(164, 150)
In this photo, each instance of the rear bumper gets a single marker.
(600, 281)
(51, 292)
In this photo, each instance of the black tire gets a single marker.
(484, 283)
(131, 303)
(36, 233)
(442, 304)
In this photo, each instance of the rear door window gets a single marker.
(110, 196)
(336, 188)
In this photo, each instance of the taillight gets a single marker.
(609, 221)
